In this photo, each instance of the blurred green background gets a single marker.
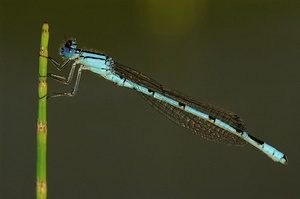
(106, 142)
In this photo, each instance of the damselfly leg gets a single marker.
(64, 80)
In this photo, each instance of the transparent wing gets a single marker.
(194, 124)
(213, 111)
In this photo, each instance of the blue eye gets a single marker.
(68, 50)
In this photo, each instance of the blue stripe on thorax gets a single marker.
(95, 62)
(92, 55)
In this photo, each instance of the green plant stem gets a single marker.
(41, 181)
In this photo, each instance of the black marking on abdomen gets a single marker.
(239, 131)
(181, 104)
(151, 91)
(256, 140)
(211, 118)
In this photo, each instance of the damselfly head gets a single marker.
(68, 49)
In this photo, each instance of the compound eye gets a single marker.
(69, 43)
(69, 49)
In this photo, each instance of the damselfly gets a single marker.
(205, 120)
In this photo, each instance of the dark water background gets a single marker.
(108, 143)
